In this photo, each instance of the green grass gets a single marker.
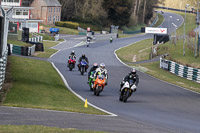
(40, 129)
(160, 20)
(190, 22)
(35, 84)
(63, 30)
(48, 51)
(154, 70)
(140, 49)
(176, 54)
(19, 43)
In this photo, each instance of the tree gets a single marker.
(118, 11)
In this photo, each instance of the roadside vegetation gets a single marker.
(63, 30)
(48, 51)
(40, 129)
(160, 20)
(36, 84)
(175, 54)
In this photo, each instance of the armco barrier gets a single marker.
(180, 70)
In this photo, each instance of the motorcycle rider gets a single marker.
(132, 76)
(102, 70)
(83, 57)
(72, 56)
(93, 69)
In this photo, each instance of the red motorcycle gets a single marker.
(71, 64)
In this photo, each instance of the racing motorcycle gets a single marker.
(83, 66)
(99, 84)
(71, 64)
(91, 82)
(127, 89)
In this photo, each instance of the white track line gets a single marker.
(67, 85)
(148, 74)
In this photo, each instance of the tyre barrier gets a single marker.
(180, 70)
(3, 63)
(20, 50)
(36, 39)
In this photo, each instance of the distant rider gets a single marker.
(101, 70)
(132, 76)
(72, 56)
(83, 57)
(93, 69)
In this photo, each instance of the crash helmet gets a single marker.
(73, 52)
(95, 65)
(102, 66)
(133, 71)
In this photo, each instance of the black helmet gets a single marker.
(133, 71)
(95, 65)
(73, 52)
(83, 55)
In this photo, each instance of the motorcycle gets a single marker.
(71, 64)
(99, 84)
(83, 66)
(91, 82)
(127, 89)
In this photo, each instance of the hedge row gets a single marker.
(67, 24)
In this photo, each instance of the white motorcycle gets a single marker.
(127, 89)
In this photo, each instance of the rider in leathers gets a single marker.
(93, 69)
(72, 56)
(132, 76)
(102, 71)
(83, 57)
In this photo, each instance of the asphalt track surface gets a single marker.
(156, 106)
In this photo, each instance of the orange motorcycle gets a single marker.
(99, 84)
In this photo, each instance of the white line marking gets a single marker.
(67, 85)
(148, 74)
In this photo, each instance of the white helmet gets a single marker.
(102, 66)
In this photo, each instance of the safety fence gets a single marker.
(174, 9)
(180, 70)
(3, 63)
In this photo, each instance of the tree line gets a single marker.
(107, 12)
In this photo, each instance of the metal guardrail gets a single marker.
(180, 70)
(174, 9)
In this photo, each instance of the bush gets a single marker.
(60, 24)
(68, 24)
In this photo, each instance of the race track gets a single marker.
(156, 106)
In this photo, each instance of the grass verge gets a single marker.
(176, 54)
(48, 51)
(154, 70)
(160, 20)
(35, 84)
(138, 51)
(63, 30)
(40, 129)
